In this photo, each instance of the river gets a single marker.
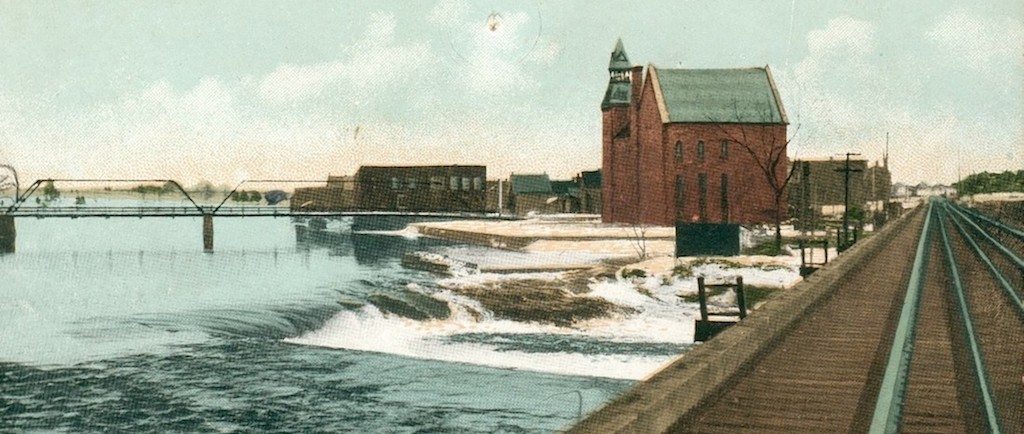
(125, 325)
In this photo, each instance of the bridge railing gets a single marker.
(225, 211)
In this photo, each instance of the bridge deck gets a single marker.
(226, 211)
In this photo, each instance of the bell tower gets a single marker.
(615, 128)
(619, 80)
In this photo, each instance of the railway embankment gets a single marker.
(658, 402)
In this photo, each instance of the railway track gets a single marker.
(928, 336)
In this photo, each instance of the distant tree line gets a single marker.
(246, 196)
(149, 189)
(204, 189)
(985, 182)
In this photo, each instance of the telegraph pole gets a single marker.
(846, 201)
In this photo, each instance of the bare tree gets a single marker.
(768, 152)
(8, 178)
(639, 240)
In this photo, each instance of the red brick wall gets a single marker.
(640, 171)
(613, 119)
(751, 198)
(651, 197)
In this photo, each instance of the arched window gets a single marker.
(679, 150)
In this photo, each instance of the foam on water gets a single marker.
(659, 316)
(653, 314)
(370, 330)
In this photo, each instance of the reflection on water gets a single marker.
(342, 238)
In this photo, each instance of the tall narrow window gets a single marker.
(725, 150)
(679, 151)
(679, 194)
(454, 183)
(396, 184)
(700, 150)
(725, 198)
(702, 204)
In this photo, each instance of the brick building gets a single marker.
(675, 144)
(422, 188)
(817, 184)
(340, 193)
(399, 188)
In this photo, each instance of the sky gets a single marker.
(225, 90)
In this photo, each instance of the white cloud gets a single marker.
(843, 34)
(843, 95)
(372, 63)
(977, 41)
(831, 87)
(446, 13)
(492, 49)
(297, 82)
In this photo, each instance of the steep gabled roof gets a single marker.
(746, 95)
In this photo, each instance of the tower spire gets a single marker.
(619, 87)
(619, 60)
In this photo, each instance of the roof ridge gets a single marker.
(759, 68)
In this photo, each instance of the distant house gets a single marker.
(590, 192)
(339, 193)
(671, 147)
(568, 193)
(925, 190)
(900, 190)
(532, 193)
(822, 183)
(422, 188)
(878, 180)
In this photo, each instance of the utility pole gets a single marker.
(846, 201)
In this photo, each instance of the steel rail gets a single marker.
(991, 221)
(992, 418)
(1017, 260)
(1003, 282)
(889, 405)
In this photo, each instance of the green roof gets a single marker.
(619, 61)
(530, 184)
(618, 93)
(720, 95)
(619, 89)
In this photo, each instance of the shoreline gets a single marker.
(569, 273)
